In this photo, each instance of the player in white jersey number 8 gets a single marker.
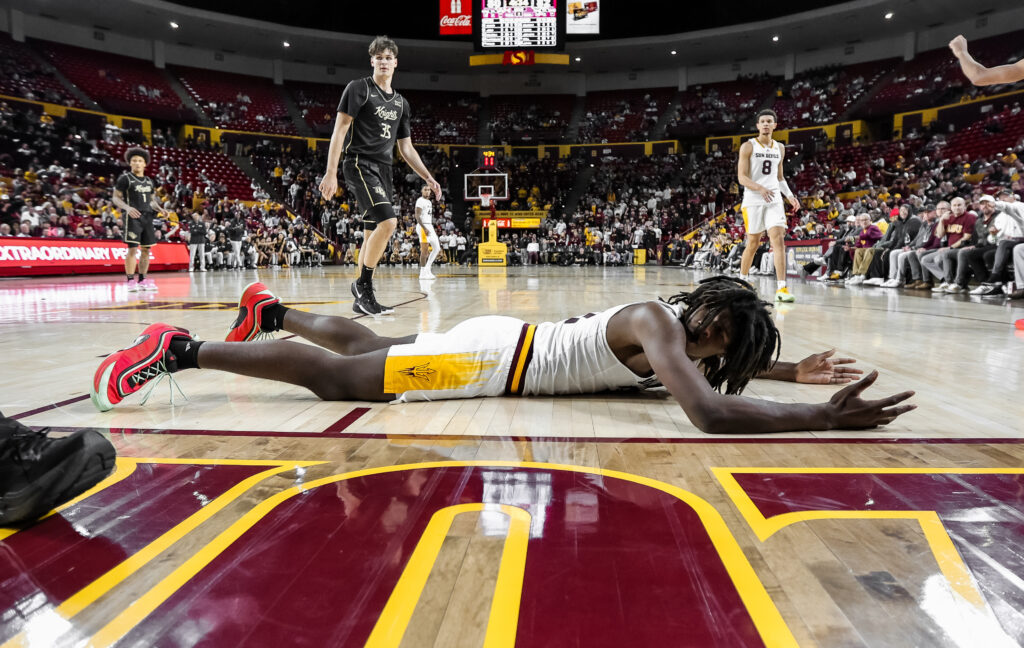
(759, 170)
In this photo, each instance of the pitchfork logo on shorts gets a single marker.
(380, 192)
(422, 372)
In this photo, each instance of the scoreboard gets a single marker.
(519, 24)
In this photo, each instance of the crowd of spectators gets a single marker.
(622, 116)
(530, 120)
(56, 182)
(873, 202)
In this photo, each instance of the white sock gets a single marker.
(430, 258)
(781, 284)
(745, 277)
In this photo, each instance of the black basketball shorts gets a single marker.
(370, 182)
(139, 231)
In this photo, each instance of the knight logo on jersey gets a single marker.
(383, 113)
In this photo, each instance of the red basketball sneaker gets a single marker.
(247, 325)
(125, 372)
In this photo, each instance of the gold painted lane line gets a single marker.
(946, 555)
(766, 617)
(875, 471)
(508, 590)
(116, 575)
(123, 469)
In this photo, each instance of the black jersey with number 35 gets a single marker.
(378, 120)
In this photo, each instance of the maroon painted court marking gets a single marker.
(46, 408)
(336, 428)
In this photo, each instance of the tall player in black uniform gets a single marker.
(135, 194)
(372, 117)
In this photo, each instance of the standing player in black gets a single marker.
(372, 118)
(135, 195)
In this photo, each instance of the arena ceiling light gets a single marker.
(775, 39)
(174, 25)
(673, 52)
(889, 15)
(286, 44)
(578, 59)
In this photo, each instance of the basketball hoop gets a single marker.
(485, 199)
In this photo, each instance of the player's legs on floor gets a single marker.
(339, 334)
(164, 350)
(328, 375)
(260, 311)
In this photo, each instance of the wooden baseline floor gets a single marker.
(254, 514)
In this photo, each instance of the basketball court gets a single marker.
(252, 513)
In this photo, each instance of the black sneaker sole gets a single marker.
(360, 308)
(87, 466)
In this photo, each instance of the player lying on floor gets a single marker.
(697, 345)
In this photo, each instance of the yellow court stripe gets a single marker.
(116, 575)
(123, 468)
(948, 558)
(521, 360)
(508, 590)
(765, 616)
(504, 617)
(872, 471)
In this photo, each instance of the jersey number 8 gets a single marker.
(766, 168)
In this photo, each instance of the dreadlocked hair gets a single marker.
(754, 343)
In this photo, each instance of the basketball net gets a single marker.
(485, 199)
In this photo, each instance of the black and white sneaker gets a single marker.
(38, 472)
(366, 302)
(988, 289)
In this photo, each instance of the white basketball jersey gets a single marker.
(426, 210)
(764, 170)
(573, 357)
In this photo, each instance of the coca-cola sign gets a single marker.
(456, 17)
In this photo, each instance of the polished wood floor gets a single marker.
(254, 514)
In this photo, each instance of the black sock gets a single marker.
(142, 277)
(186, 353)
(366, 276)
(130, 277)
(272, 317)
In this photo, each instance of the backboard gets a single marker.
(494, 182)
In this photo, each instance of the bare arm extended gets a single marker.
(329, 184)
(980, 75)
(412, 158)
(664, 344)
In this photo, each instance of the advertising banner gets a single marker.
(39, 256)
(456, 17)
